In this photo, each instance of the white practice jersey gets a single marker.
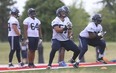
(12, 20)
(91, 27)
(61, 36)
(33, 25)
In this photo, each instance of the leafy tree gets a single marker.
(79, 18)
(4, 13)
(46, 10)
(111, 5)
(109, 18)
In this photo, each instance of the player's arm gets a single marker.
(70, 33)
(40, 32)
(59, 29)
(93, 35)
(25, 31)
(14, 26)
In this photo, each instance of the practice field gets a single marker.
(84, 68)
(90, 56)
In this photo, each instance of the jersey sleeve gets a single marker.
(26, 22)
(90, 28)
(14, 21)
(54, 23)
(39, 22)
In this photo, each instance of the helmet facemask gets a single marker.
(32, 12)
(97, 19)
(63, 14)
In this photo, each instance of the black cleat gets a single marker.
(10, 65)
(31, 65)
(49, 67)
(76, 65)
(101, 60)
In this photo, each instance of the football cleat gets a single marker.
(62, 64)
(10, 65)
(48, 67)
(21, 64)
(31, 65)
(76, 65)
(103, 60)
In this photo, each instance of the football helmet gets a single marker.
(15, 11)
(97, 19)
(61, 12)
(66, 8)
(31, 12)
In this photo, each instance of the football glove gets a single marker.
(101, 33)
(69, 26)
(64, 27)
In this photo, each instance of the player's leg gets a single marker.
(61, 57)
(83, 59)
(61, 54)
(18, 50)
(55, 46)
(11, 57)
(12, 50)
(73, 47)
(97, 52)
(83, 46)
(102, 46)
(33, 43)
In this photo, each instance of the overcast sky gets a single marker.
(89, 5)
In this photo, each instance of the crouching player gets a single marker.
(92, 35)
(60, 37)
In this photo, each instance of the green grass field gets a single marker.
(90, 56)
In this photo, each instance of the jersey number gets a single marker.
(33, 27)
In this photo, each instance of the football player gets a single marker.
(62, 50)
(14, 36)
(32, 33)
(92, 35)
(60, 38)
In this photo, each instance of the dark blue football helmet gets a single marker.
(15, 11)
(31, 12)
(61, 12)
(66, 8)
(97, 19)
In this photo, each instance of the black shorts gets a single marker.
(14, 42)
(33, 43)
(68, 45)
